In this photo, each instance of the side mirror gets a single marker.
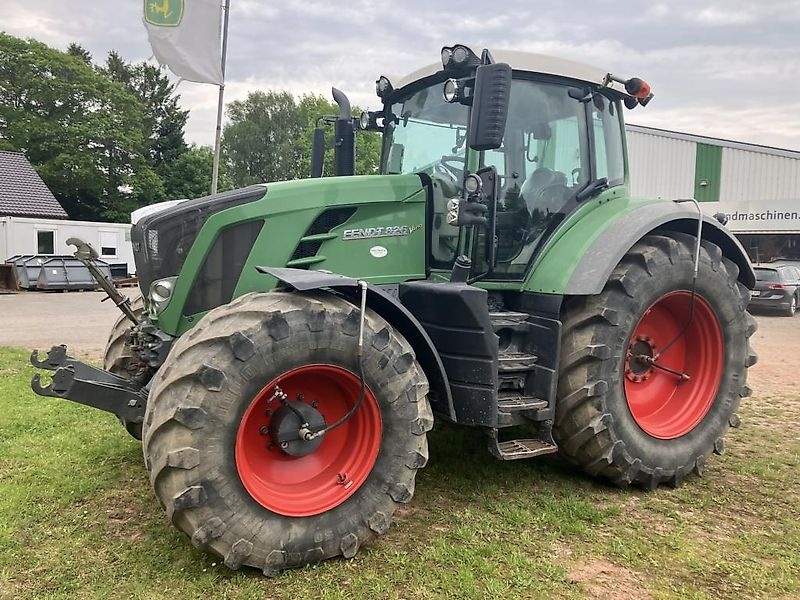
(317, 152)
(490, 106)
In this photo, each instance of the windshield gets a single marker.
(425, 134)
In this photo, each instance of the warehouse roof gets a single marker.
(713, 141)
(22, 191)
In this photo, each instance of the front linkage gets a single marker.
(125, 397)
(85, 384)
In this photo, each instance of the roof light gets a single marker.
(638, 88)
(447, 56)
(383, 86)
(459, 57)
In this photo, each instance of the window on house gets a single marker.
(108, 243)
(45, 242)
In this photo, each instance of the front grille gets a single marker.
(162, 241)
(217, 279)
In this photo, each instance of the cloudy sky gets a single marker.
(725, 68)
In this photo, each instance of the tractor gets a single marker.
(294, 341)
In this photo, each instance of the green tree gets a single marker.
(259, 138)
(190, 175)
(164, 120)
(79, 51)
(268, 137)
(82, 131)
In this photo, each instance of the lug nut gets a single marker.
(264, 430)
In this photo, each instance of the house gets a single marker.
(33, 222)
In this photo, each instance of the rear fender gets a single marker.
(389, 307)
(595, 265)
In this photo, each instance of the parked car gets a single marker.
(777, 288)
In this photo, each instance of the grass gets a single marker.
(78, 519)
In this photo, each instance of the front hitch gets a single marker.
(87, 255)
(84, 384)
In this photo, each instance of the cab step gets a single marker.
(517, 409)
(519, 449)
(516, 361)
(520, 403)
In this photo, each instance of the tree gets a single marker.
(79, 51)
(269, 134)
(190, 175)
(164, 120)
(82, 132)
(260, 136)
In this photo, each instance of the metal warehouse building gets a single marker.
(757, 187)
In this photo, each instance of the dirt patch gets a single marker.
(777, 343)
(604, 579)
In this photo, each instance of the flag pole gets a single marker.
(220, 105)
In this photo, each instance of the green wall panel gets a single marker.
(707, 172)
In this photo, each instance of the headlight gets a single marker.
(473, 184)
(160, 293)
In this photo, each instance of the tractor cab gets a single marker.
(557, 140)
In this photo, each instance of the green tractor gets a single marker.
(295, 340)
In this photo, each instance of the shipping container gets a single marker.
(25, 235)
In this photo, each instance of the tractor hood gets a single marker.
(212, 245)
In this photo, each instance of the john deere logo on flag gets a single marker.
(163, 13)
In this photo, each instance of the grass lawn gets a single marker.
(78, 520)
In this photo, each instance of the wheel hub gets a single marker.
(286, 428)
(638, 367)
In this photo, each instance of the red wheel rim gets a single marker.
(661, 403)
(312, 484)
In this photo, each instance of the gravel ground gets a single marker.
(82, 321)
(42, 319)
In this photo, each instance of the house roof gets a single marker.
(22, 191)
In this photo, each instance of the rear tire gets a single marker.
(631, 424)
(211, 399)
(792, 309)
(117, 355)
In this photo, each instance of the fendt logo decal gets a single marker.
(366, 233)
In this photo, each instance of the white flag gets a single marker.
(185, 36)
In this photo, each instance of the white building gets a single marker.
(33, 222)
(757, 187)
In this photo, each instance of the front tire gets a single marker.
(207, 438)
(117, 356)
(620, 418)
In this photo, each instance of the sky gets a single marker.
(724, 68)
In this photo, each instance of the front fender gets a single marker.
(581, 261)
(389, 308)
